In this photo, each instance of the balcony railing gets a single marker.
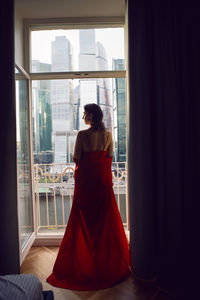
(54, 188)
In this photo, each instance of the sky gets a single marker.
(111, 38)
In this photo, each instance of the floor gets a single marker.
(40, 260)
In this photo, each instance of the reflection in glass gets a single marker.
(76, 50)
(23, 160)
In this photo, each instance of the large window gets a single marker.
(60, 89)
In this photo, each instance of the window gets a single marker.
(24, 184)
(70, 68)
(77, 50)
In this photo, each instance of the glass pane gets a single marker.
(23, 160)
(57, 117)
(77, 50)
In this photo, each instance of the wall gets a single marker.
(18, 38)
(73, 8)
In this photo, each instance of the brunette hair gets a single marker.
(97, 116)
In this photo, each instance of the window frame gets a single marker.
(69, 23)
(65, 23)
(24, 250)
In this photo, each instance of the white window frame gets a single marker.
(24, 250)
(68, 23)
(64, 23)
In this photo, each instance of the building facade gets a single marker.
(61, 102)
(93, 57)
(119, 99)
(42, 115)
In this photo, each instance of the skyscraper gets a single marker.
(87, 56)
(119, 96)
(61, 101)
(42, 115)
(76, 106)
(61, 55)
(87, 62)
(93, 58)
(101, 58)
(103, 86)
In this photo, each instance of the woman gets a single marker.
(94, 252)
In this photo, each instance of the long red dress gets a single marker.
(94, 252)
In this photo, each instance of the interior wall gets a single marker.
(70, 8)
(18, 38)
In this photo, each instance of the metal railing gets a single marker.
(54, 188)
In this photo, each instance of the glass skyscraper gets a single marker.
(87, 55)
(42, 114)
(93, 58)
(119, 96)
(61, 101)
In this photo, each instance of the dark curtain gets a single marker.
(9, 245)
(164, 138)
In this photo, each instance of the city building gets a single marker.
(87, 55)
(103, 86)
(76, 106)
(93, 57)
(119, 99)
(62, 102)
(87, 62)
(42, 114)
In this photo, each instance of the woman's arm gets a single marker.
(110, 146)
(78, 146)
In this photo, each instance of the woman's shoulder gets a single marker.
(108, 133)
(88, 131)
(82, 132)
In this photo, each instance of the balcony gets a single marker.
(54, 188)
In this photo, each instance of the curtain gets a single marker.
(9, 249)
(164, 138)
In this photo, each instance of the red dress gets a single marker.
(94, 252)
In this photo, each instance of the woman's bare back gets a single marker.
(89, 140)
